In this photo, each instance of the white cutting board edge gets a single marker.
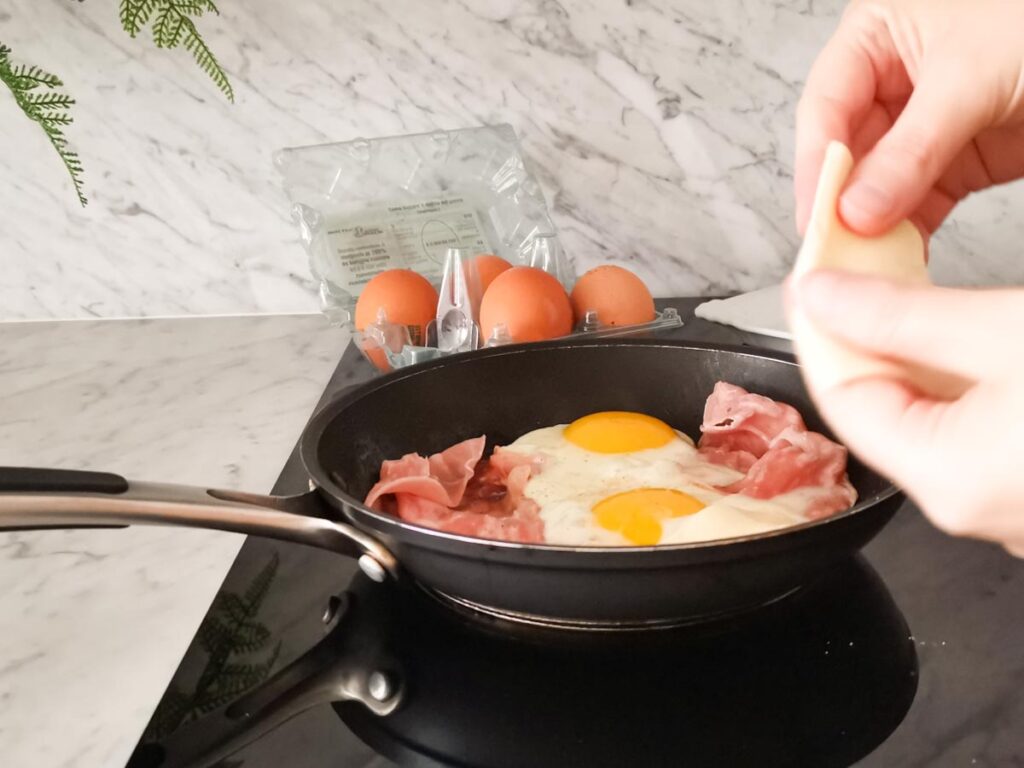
(759, 311)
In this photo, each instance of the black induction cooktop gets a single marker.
(909, 655)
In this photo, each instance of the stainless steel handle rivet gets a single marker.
(379, 686)
(374, 570)
(331, 611)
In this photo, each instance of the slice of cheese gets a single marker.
(897, 255)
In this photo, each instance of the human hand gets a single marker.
(928, 95)
(962, 461)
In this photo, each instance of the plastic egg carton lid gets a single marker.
(367, 206)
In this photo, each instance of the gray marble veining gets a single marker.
(661, 131)
(94, 623)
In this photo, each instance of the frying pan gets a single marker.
(501, 393)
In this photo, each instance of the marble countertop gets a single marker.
(661, 132)
(94, 623)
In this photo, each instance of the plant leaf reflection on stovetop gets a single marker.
(235, 645)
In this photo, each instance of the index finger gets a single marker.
(839, 93)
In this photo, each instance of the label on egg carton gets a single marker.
(405, 235)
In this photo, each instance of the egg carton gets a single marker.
(400, 202)
(455, 327)
(394, 341)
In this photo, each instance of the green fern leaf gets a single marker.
(58, 101)
(167, 28)
(172, 26)
(33, 77)
(189, 7)
(135, 14)
(47, 109)
(57, 119)
(207, 62)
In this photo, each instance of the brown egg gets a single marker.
(406, 297)
(531, 303)
(617, 295)
(489, 266)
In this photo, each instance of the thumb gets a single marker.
(944, 113)
(947, 329)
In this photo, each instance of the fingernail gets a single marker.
(863, 205)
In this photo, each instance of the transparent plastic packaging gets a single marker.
(396, 344)
(592, 327)
(458, 308)
(546, 253)
(401, 202)
(430, 203)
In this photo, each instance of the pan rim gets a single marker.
(313, 433)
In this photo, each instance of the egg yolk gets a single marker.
(637, 515)
(619, 432)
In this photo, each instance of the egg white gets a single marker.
(573, 480)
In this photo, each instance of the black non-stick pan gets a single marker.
(502, 393)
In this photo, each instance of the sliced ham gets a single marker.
(770, 443)
(523, 524)
(737, 420)
(499, 483)
(505, 461)
(794, 461)
(454, 467)
(442, 478)
(457, 492)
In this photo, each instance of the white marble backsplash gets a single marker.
(662, 132)
(93, 623)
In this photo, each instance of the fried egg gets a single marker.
(618, 478)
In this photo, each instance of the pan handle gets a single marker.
(53, 498)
